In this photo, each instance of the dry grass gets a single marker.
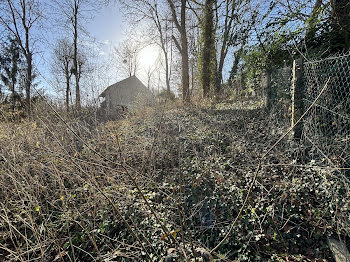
(68, 192)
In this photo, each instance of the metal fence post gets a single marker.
(268, 89)
(297, 97)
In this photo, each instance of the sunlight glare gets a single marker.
(148, 57)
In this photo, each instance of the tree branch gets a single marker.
(177, 43)
(173, 12)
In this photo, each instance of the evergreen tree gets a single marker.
(10, 60)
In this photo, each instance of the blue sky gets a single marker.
(105, 31)
(107, 25)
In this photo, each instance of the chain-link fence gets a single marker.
(327, 125)
(281, 95)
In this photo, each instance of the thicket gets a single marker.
(68, 189)
(167, 183)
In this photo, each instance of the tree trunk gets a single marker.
(67, 93)
(268, 90)
(13, 84)
(13, 96)
(297, 97)
(167, 80)
(183, 48)
(208, 46)
(192, 79)
(75, 57)
(184, 56)
(185, 76)
(218, 77)
(163, 40)
(229, 17)
(28, 83)
(234, 69)
(339, 250)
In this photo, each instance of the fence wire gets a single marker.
(327, 126)
(281, 84)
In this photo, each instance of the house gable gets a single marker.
(126, 93)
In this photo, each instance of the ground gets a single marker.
(166, 177)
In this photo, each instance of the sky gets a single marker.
(105, 31)
(107, 25)
(109, 28)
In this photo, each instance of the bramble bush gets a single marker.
(65, 200)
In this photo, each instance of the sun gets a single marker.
(148, 57)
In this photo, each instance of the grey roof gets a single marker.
(132, 81)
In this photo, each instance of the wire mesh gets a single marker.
(281, 95)
(327, 126)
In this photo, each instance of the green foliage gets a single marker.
(273, 53)
(10, 67)
(260, 60)
(316, 28)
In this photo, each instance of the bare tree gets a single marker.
(18, 18)
(150, 73)
(75, 7)
(182, 44)
(127, 55)
(155, 12)
(232, 29)
(63, 64)
(72, 15)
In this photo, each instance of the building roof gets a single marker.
(132, 80)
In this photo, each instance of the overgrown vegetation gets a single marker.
(215, 175)
(66, 200)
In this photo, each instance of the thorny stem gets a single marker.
(260, 164)
(132, 178)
